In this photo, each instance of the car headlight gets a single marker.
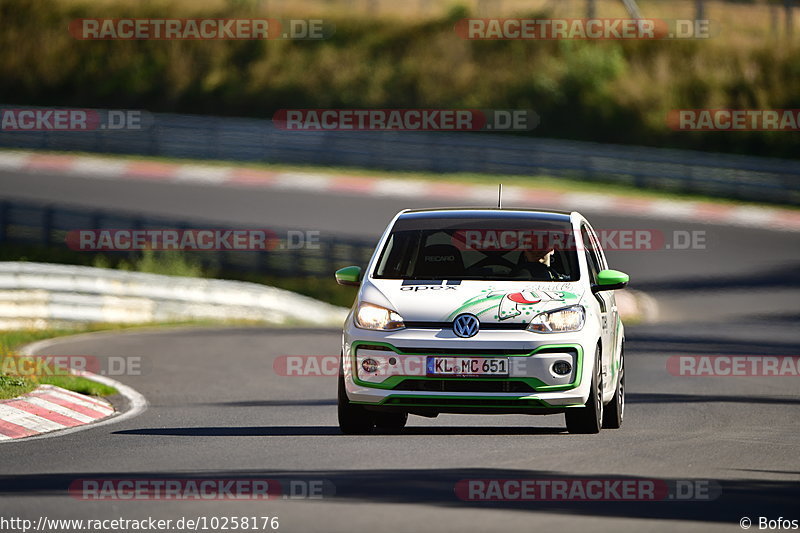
(370, 316)
(559, 320)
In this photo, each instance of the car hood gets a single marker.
(490, 301)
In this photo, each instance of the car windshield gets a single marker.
(511, 248)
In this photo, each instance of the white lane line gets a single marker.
(27, 420)
(60, 409)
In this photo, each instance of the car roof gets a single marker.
(486, 212)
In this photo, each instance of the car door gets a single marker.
(608, 307)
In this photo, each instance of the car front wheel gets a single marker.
(588, 419)
(353, 418)
(614, 411)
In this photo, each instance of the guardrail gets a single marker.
(47, 226)
(34, 294)
(206, 137)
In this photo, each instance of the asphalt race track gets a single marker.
(219, 411)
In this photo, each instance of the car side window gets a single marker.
(597, 249)
(395, 260)
(592, 258)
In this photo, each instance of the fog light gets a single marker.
(562, 368)
(392, 361)
(369, 365)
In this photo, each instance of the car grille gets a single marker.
(463, 385)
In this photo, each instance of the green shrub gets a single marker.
(611, 91)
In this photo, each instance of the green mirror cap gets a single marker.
(349, 275)
(612, 277)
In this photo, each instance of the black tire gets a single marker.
(589, 418)
(391, 422)
(615, 410)
(353, 418)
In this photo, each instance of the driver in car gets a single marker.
(534, 264)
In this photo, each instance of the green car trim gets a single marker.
(536, 384)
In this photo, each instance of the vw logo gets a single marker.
(466, 325)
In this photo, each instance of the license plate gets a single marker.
(467, 366)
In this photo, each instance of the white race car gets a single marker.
(483, 311)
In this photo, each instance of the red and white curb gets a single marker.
(112, 168)
(49, 408)
(50, 411)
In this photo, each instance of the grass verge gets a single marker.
(19, 375)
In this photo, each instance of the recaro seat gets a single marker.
(439, 261)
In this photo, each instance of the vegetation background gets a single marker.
(391, 54)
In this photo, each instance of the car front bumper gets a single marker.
(402, 382)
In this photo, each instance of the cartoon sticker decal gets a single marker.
(513, 303)
(506, 304)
